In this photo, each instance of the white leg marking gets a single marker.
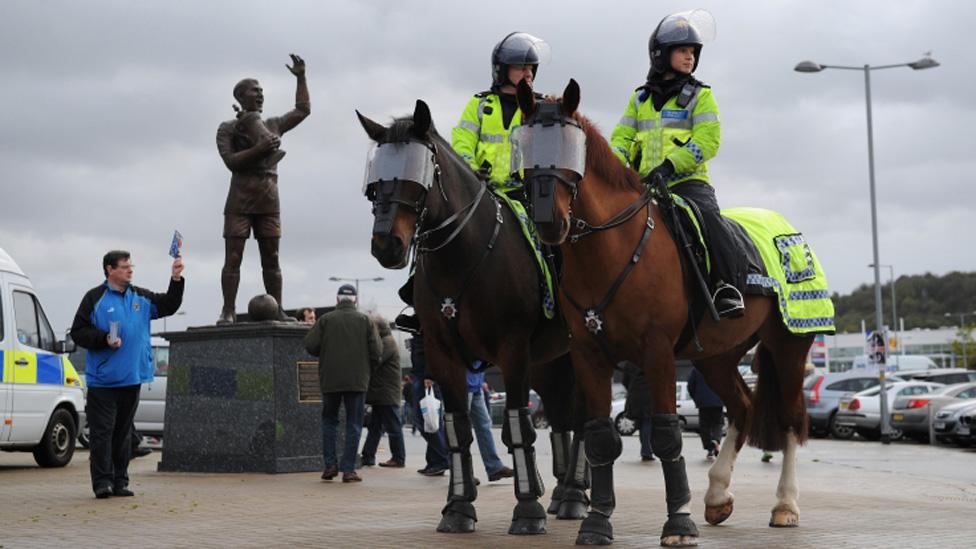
(720, 473)
(788, 492)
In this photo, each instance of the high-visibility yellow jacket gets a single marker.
(688, 137)
(481, 136)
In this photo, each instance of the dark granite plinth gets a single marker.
(232, 401)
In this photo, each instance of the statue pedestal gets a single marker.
(242, 398)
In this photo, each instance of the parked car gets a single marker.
(861, 412)
(823, 393)
(968, 420)
(627, 426)
(910, 414)
(948, 426)
(496, 405)
(946, 376)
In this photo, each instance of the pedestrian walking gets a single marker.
(384, 396)
(638, 406)
(710, 418)
(113, 324)
(348, 348)
(481, 424)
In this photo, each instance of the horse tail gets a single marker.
(772, 416)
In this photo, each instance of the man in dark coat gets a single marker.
(638, 406)
(384, 396)
(348, 348)
(710, 419)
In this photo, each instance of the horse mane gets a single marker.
(601, 160)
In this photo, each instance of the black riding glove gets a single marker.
(664, 171)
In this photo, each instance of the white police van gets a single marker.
(42, 404)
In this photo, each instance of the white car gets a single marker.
(626, 426)
(861, 412)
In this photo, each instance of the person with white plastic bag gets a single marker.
(422, 383)
(430, 408)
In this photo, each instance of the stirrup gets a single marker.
(729, 305)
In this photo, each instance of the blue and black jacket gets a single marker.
(130, 364)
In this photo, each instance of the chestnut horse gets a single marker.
(478, 296)
(626, 293)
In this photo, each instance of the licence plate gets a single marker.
(962, 431)
(939, 425)
(898, 417)
(843, 405)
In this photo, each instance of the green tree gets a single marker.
(963, 346)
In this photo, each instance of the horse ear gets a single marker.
(526, 99)
(571, 98)
(421, 119)
(374, 130)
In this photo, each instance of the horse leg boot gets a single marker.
(518, 434)
(718, 499)
(561, 442)
(603, 446)
(577, 481)
(786, 514)
(459, 516)
(680, 529)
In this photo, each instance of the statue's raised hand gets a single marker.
(298, 65)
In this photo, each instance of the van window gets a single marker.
(33, 328)
(160, 361)
(2, 331)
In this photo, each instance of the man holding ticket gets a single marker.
(112, 323)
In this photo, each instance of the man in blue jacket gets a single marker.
(112, 323)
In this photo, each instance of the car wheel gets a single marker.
(682, 423)
(58, 443)
(625, 426)
(841, 432)
(540, 421)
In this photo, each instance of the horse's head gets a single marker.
(400, 171)
(547, 149)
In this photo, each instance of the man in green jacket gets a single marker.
(384, 396)
(348, 348)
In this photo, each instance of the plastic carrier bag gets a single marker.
(430, 408)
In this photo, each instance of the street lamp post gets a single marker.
(894, 309)
(923, 63)
(356, 280)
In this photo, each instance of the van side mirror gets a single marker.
(65, 346)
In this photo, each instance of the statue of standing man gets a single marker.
(250, 147)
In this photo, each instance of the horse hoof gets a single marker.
(592, 538)
(557, 499)
(679, 541)
(784, 518)
(527, 527)
(554, 506)
(572, 510)
(716, 514)
(455, 523)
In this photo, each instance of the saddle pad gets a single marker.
(535, 245)
(792, 270)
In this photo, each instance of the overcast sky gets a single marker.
(111, 108)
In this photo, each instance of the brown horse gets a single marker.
(626, 293)
(478, 296)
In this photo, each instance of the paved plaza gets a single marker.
(852, 494)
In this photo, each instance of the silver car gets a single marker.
(947, 424)
(862, 411)
(910, 414)
(823, 393)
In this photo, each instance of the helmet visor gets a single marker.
(694, 26)
(404, 161)
(521, 48)
(559, 146)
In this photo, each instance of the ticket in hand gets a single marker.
(176, 245)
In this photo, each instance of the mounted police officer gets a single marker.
(481, 137)
(670, 129)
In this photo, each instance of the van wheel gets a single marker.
(57, 446)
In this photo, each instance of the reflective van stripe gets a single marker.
(49, 369)
(25, 373)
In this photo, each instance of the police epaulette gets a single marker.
(482, 95)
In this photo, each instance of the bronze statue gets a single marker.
(250, 147)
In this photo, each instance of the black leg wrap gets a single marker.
(457, 517)
(561, 448)
(575, 501)
(457, 427)
(603, 444)
(518, 434)
(666, 440)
